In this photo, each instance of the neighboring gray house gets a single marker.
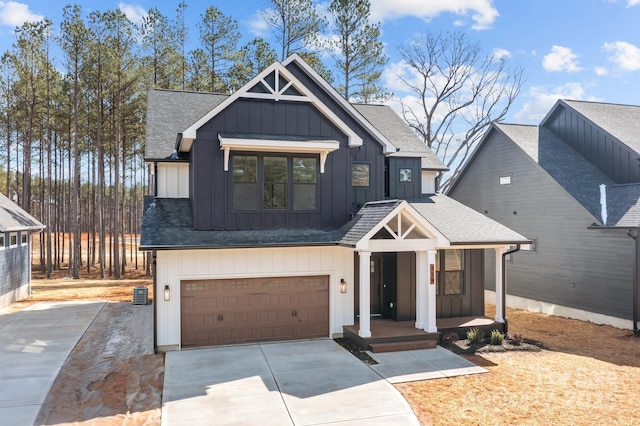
(571, 185)
(284, 212)
(16, 227)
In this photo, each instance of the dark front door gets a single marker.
(375, 270)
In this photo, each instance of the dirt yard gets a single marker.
(585, 375)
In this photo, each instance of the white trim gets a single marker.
(532, 305)
(387, 146)
(321, 147)
(11, 236)
(435, 237)
(24, 235)
(189, 134)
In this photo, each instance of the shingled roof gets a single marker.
(573, 172)
(620, 121)
(389, 123)
(463, 225)
(13, 218)
(623, 205)
(170, 112)
(167, 225)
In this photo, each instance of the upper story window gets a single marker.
(274, 182)
(360, 174)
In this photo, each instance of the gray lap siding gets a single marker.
(573, 266)
(14, 267)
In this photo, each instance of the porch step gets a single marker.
(403, 346)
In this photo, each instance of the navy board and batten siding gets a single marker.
(211, 196)
(573, 266)
(596, 145)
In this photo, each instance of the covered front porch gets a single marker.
(413, 284)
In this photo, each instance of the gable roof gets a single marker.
(306, 95)
(389, 123)
(573, 172)
(13, 218)
(169, 112)
(620, 121)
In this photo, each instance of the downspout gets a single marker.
(633, 233)
(504, 286)
(155, 304)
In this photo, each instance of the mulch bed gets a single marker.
(465, 347)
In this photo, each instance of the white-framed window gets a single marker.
(13, 240)
(505, 180)
(2, 240)
(24, 238)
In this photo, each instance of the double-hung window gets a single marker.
(274, 182)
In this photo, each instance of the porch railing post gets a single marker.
(365, 294)
(422, 284)
(430, 322)
(499, 285)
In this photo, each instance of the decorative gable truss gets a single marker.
(403, 229)
(275, 83)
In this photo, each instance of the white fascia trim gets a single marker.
(190, 133)
(421, 223)
(272, 145)
(411, 154)
(388, 147)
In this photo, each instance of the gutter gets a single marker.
(504, 286)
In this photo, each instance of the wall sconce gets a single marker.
(343, 285)
(167, 293)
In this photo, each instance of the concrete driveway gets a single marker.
(34, 344)
(292, 383)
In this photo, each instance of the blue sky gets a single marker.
(574, 49)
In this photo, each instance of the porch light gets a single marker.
(167, 293)
(343, 285)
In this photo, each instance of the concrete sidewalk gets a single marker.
(291, 383)
(34, 344)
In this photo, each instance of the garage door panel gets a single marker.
(217, 312)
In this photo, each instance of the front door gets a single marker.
(375, 270)
(382, 281)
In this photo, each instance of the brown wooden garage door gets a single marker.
(220, 312)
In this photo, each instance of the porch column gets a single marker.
(430, 321)
(422, 287)
(365, 294)
(500, 309)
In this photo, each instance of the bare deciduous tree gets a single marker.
(460, 91)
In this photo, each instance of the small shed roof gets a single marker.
(13, 218)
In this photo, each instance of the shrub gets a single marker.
(475, 335)
(497, 337)
(515, 339)
(449, 338)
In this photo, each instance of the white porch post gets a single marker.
(500, 309)
(422, 287)
(365, 294)
(430, 322)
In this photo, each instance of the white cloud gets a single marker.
(14, 14)
(600, 71)
(543, 98)
(561, 59)
(135, 13)
(625, 55)
(258, 26)
(631, 3)
(500, 53)
(482, 12)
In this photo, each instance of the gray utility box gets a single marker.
(140, 296)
